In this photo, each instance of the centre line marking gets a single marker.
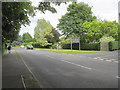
(77, 64)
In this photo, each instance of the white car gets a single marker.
(22, 46)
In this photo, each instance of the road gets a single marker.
(59, 70)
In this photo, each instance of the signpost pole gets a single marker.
(71, 45)
(79, 42)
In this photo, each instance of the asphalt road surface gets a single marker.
(59, 70)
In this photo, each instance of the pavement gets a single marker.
(12, 69)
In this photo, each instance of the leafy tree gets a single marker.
(45, 34)
(110, 29)
(42, 29)
(95, 30)
(15, 14)
(71, 23)
(92, 31)
(55, 38)
(19, 39)
(27, 37)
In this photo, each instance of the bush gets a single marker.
(36, 45)
(83, 46)
(90, 46)
(54, 46)
(114, 45)
(64, 42)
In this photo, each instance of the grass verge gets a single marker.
(70, 51)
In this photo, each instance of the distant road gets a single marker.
(58, 70)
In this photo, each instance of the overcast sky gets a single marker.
(103, 9)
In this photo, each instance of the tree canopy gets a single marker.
(95, 30)
(15, 14)
(45, 34)
(71, 23)
(27, 37)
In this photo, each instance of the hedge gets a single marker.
(90, 46)
(84, 46)
(114, 45)
(36, 45)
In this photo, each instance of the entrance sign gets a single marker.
(75, 40)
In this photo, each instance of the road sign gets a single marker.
(75, 40)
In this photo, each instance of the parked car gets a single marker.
(22, 46)
(29, 47)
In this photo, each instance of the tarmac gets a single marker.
(12, 70)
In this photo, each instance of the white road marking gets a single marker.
(23, 82)
(118, 77)
(77, 64)
(116, 61)
(108, 60)
(28, 68)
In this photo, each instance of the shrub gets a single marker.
(114, 45)
(83, 46)
(64, 42)
(90, 46)
(54, 46)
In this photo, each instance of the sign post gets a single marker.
(75, 40)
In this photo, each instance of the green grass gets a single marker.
(70, 51)
(4, 51)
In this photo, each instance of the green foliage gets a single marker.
(28, 43)
(43, 6)
(107, 39)
(83, 46)
(64, 42)
(95, 30)
(114, 45)
(71, 23)
(110, 29)
(27, 37)
(90, 46)
(55, 38)
(15, 14)
(42, 29)
(54, 46)
(92, 31)
(45, 34)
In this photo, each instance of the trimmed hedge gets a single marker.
(90, 46)
(35, 45)
(114, 45)
(84, 46)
